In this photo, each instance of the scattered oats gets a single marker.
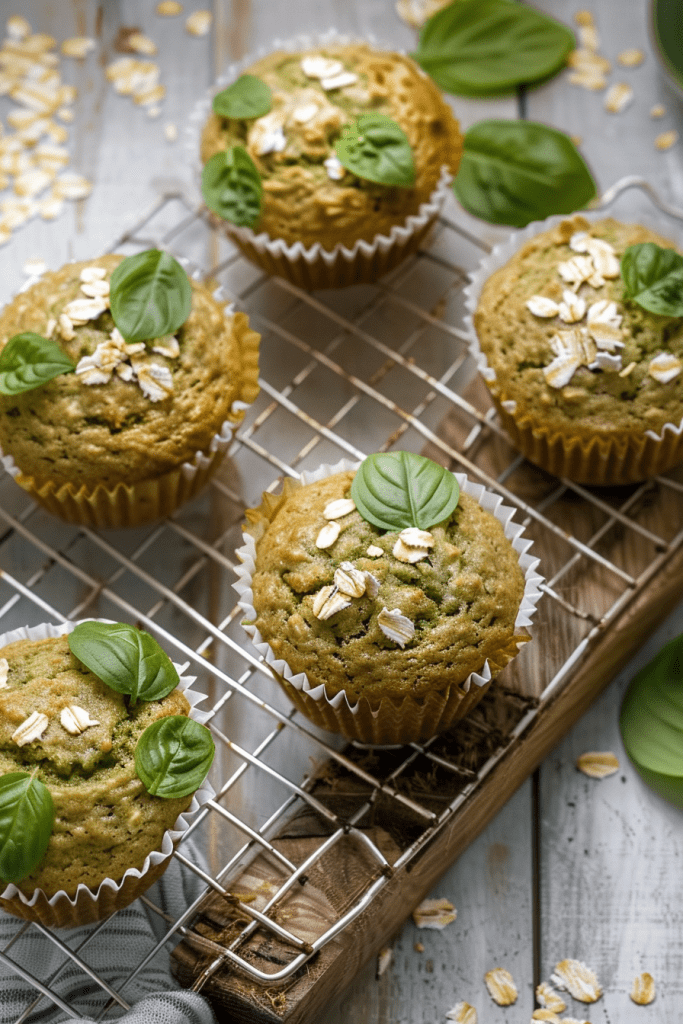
(334, 167)
(66, 327)
(305, 113)
(396, 627)
(171, 349)
(50, 209)
(321, 67)
(5, 234)
(92, 273)
(462, 1013)
(340, 507)
(501, 986)
(547, 1015)
(606, 361)
(658, 110)
(349, 580)
(78, 47)
(31, 729)
(82, 310)
(168, 8)
(576, 270)
(339, 81)
(30, 183)
(95, 289)
(17, 27)
(548, 997)
(539, 305)
(627, 370)
(51, 157)
(328, 536)
(595, 81)
(153, 111)
(643, 991)
(71, 185)
(374, 552)
(580, 981)
(76, 720)
(605, 312)
(572, 308)
(419, 948)
(266, 134)
(406, 553)
(35, 266)
(618, 97)
(371, 585)
(155, 380)
(57, 132)
(50, 327)
(569, 356)
(606, 336)
(4, 672)
(327, 602)
(434, 913)
(383, 960)
(199, 23)
(416, 12)
(584, 18)
(171, 132)
(576, 139)
(666, 140)
(574, 1020)
(598, 765)
(144, 97)
(631, 58)
(588, 37)
(588, 61)
(664, 367)
(140, 43)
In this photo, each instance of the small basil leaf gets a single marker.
(150, 295)
(651, 722)
(26, 819)
(231, 186)
(247, 97)
(173, 756)
(29, 360)
(513, 172)
(125, 658)
(376, 149)
(653, 277)
(484, 47)
(398, 489)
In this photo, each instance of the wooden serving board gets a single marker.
(598, 614)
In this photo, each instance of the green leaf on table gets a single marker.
(377, 149)
(653, 277)
(26, 819)
(651, 722)
(485, 47)
(127, 659)
(29, 360)
(514, 172)
(150, 296)
(248, 97)
(395, 490)
(231, 186)
(173, 756)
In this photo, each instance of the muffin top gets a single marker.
(105, 820)
(129, 412)
(307, 195)
(568, 347)
(379, 613)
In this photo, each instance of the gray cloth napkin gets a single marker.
(122, 944)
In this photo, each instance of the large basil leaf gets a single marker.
(651, 722)
(173, 756)
(125, 658)
(29, 360)
(248, 97)
(26, 819)
(513, 172)
(483, 47)
(653, 277)
(231, 186)
(377, 149)
(398, 489)
(150, 295)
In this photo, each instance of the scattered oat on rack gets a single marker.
(598, 764)
(618, 97)
(501, 986)
(588, 67)
(580, 981)
(667, 139)
(434, 913)
(643, 990)
(462, 1013)
(199, 23)
(416, 12)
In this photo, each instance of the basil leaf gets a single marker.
(377, 149)
(125, 658)
(653, 277)
(484, 47)
(651, 722)
(231, 186)
(26, 818)
(398, 489)
(150, 295)
(29, 360)
(513, 172)
(173, 756)
(247, 97)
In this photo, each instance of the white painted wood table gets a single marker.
(571, 867)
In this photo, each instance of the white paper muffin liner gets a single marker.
(83, 904)
(314, 266)
(339, 702)
(664, 448)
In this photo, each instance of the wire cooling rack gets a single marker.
(343, 373)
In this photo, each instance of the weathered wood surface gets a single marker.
(609, 869)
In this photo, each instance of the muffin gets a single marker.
(587, 382)
(387, 636)
(320, 223)
(133, 428)
(62, 725)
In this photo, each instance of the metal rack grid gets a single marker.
(343, 373)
